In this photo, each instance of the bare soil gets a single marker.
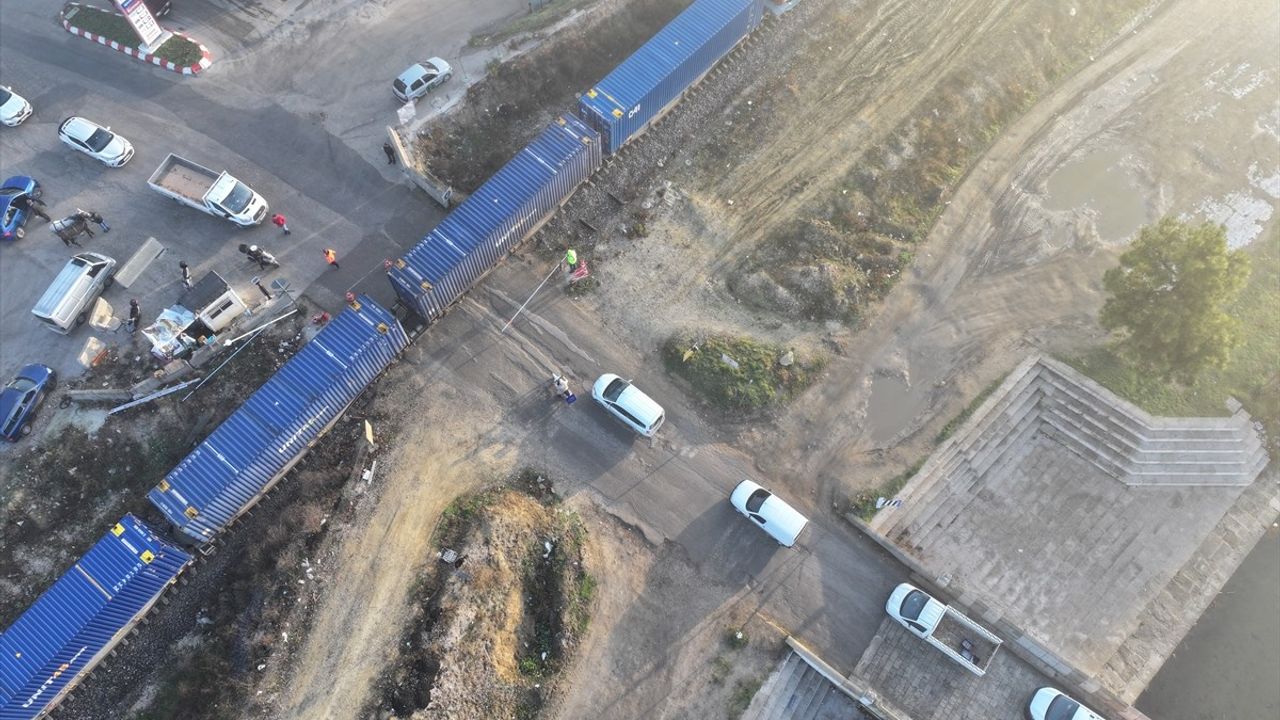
(489, 634)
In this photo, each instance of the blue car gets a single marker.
(12, 217)
(21, 397)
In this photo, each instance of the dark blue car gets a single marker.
(21, 397)
(12, 217)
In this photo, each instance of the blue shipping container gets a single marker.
(640, 90)
(506, 209)
(78, 620)
(240, 460)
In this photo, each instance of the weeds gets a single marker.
(740, 700)
(864, 503)
(954, 424)
(720, 669)
(738, 374)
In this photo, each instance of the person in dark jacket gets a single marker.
(31, 205)
(186, 274)
(135, 316)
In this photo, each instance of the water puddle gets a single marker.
(894, 404)
(1097, 182)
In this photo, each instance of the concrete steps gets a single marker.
(1043, 396)
(796, 691)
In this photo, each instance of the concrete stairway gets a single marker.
(796, 691)
(1044, 396)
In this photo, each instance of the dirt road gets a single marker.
(1001, 274)
(994, 279)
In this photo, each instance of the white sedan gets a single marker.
(96, 141)
(1051, 704)
(770, 512)
(13, 107)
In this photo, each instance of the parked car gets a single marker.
(770, 512)
(420, 79)
(159, 8)
(13, 107)
(13, 219)
(21, 397)
(625, 402)
(95, 141)
(1051, 704)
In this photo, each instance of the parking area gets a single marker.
(314, 159)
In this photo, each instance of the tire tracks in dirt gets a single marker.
(964, 305)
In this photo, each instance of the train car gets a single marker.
(82, 616)
(650, 82)
(251, 450)
(502, 213)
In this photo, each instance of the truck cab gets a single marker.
(236, 201)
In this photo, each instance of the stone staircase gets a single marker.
(796, 691)
(1044, 396)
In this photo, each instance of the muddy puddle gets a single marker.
(1098, 182)
(897, 399)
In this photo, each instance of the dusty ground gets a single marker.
(984, 289)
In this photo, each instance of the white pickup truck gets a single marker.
(943, 627)
(218, 194)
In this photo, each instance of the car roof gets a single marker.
(643, 407)
(779, 515)
(79, 127)
(413, 72)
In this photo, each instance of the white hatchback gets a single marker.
(625, 402)
(780, 520)
(1051, 704)
(96, 141)
(420, 79)
(13, 107)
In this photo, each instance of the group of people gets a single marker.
(69, 228)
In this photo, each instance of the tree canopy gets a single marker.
(1167, 299)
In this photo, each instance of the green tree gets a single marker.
(1166, 299)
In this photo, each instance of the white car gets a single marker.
(420, 79)
(96, 141)
(625, 402)
(1050, 704)
(774, 516)
(13, 107)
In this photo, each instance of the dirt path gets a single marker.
(992, 281)
(370, 565)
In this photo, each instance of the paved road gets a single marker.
(306, 134)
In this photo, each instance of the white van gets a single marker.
(770, 512)
(66, 303)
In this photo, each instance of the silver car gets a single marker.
(420, 79)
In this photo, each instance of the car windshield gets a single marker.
(914, 605)
(756, 501)
(10, 191)
(4, 96)
(615, 389)
(1062, 708)
(98, 140)
(398, 84)
(238, 199)
(20, 384)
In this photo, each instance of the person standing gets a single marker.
(331, 257)
(94, 216)
(390, 151)
(31, 205)
(281, 222)
(571, 259)
(135, 316)
(186, 274)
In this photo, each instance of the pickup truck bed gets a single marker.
(184, 178)
(952, 632)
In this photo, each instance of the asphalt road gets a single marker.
(248, 114)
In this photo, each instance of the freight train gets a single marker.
(82, 617)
